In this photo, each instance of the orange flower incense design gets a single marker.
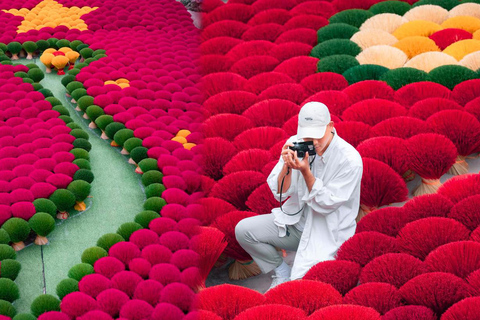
(50, 13)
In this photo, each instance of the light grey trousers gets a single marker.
(259, 237)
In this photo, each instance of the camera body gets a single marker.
(302, 148)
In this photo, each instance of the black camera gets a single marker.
(302, 148)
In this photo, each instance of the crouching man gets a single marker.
(323, 192)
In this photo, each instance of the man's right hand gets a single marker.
(288, 155)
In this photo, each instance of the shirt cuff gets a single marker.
(317, 186)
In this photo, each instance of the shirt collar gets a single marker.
(327, 154)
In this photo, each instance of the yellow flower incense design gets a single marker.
(50, 13)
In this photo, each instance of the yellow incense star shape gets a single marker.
(50, 13)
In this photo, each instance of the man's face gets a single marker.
(321, 143)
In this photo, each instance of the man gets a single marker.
(323, 194)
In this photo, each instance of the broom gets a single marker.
(243, 267)
(463, 129)
(431, 156)
(209, 244)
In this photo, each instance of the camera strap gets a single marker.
(281, 191)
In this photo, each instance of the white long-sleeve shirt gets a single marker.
(328, 218)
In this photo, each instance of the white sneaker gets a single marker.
(278, 280)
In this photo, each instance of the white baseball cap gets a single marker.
(313, 120)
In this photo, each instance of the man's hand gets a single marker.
(302, 165)
(292, 161)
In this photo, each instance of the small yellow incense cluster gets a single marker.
(50, 13)
(58, 59)
(182, 138)
(122, 82)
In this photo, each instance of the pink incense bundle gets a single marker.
(286, 91)
(459, 258)
(388, 220)
(236, 187)
(227, 28)
(268, 31)
(220, 152)
(389, 150)
(243, 267)
(250, 159)
(466, 91)
(298, 68)
(428, 205)
(461, 187)
(410, 313)
(420, 237)
(436, 290)
(353, 132)
(209, 244)
(369, 89)
(431, 156)
(212, 209)
(302, 35)
(345, 311)
(377, 295)
(380, 186)
(373, 111)
(463, 129)
(446, 37)
(467, 212)
(272, 112)
(226, 126)
(251, 66)
(218, 45)
(366, 246)
(237, 12)
(411, 93)
(323, 81)
(303, 20)
(336, 101)
(423, 109)
(215, 83)
(465, 309)
(272, 312)
(342, 275)
(230, 102)
(260, 137)
(287, 50)
(307, 295)
(227, 300)
(250, 49)
(393, 268)
(261, 200)
(262, 81)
